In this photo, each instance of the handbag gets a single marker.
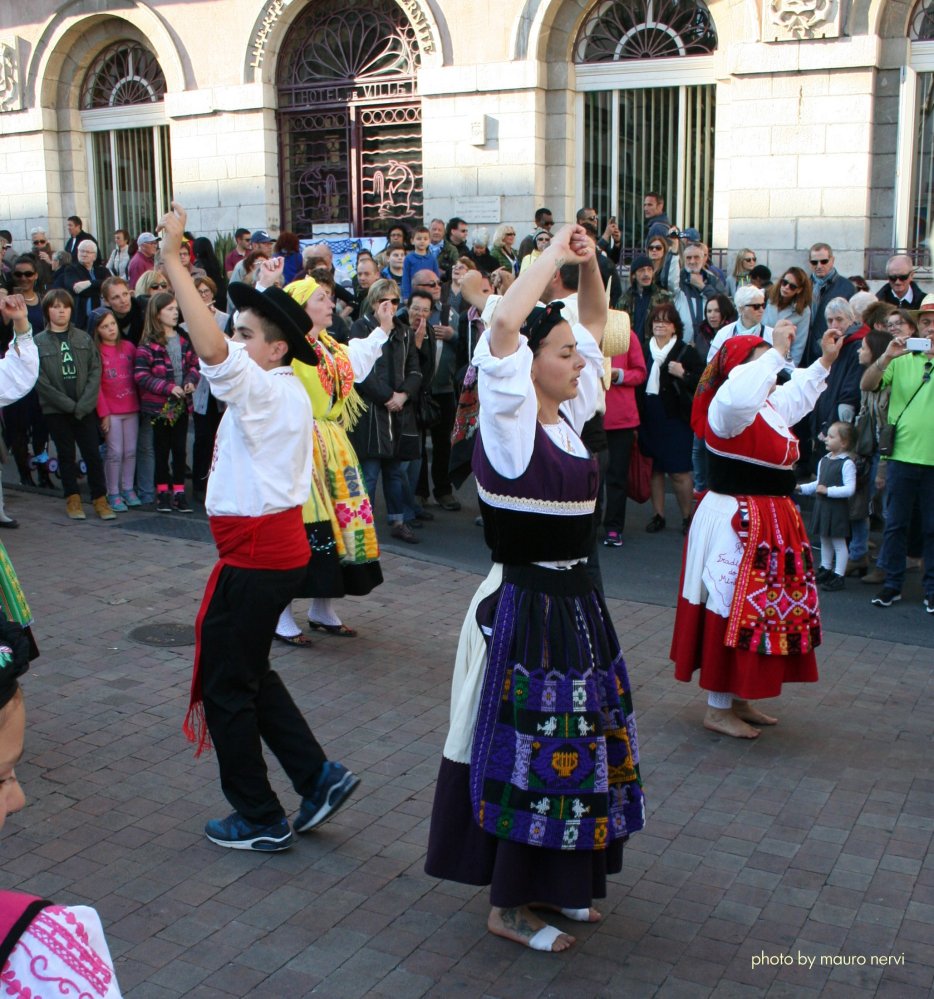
(427, 412)
(865, 434)
(639, 484)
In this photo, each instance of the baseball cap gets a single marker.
(692, 234)
(146, 237)
(261, 236)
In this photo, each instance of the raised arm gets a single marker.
(591, 298)
(207, 339)
(570, 245)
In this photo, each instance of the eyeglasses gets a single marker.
(159, 284)
(787, 284)
(756, 305)
(823, 260)
(395, 301)
(204, 291)
(895, 324)
(892, 278)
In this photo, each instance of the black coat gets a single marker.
(88, 299)
(677, 394)
(379, 433)
(885, 294)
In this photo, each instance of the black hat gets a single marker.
(639, 261)
(283, 312)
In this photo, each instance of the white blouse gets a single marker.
(749, 391)
(19, 370)
(509, 406)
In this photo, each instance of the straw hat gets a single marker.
(616, 337)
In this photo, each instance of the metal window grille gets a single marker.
(922, 188)
(132, 178)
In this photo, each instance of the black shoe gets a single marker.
(822, 575)
(656, 524)
(833, 584)
(886, 597)
(180, 503)
(164, 502)
(929, 603)
(448, 503)
(685, 525)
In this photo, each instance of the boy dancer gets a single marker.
(259, 479)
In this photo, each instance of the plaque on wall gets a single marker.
(480, 210)
(800, 20)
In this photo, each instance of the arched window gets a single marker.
(122, 75)
(639, 136)
(349, 119)
(646, 29)
(122, 107)
(921, 25)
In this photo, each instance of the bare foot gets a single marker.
(723, 720)
(751, 714)
(522, 925)
(590, 915)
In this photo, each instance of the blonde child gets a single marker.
(117, 408)
(833, 487)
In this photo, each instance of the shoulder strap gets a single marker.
(912, 399)
(17, 911)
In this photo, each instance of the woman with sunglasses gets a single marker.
(742, 271)
(790, 298)
(338, 516)
(23, 421)
(151, 283)
(750, 306)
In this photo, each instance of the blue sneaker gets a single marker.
(335, 786)
(237, 833)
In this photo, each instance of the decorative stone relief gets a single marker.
(797, 20)
(11, 93)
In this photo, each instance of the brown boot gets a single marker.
(858, 567)
(874, 577)
(73, 507)
(103, 509)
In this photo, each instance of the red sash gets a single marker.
(274, 541)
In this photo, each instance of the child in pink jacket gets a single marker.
(118, 408)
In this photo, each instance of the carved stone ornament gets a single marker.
(796, 20)
(11, 96)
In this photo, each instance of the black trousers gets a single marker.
(203, 448)
(440, 449)
(617, 478)
(245, 702)
(66, 432)
(170, 440)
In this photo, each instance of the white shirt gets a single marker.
(19, 371)
(730, 330)
(363, 352)
(263, 452)
(509, 406)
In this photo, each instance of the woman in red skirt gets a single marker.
(747, 609)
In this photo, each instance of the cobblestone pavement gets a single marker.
(796, 865)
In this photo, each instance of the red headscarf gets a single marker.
(735, 351)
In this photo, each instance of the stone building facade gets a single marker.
(766, 123)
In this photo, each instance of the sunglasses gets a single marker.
(40, 242)
(823, 260)
(24, 274)
(428, 284)
(788, 284)
(749, 260)
(756, 305)
(159, 285)
(892, 278)
(395, 301)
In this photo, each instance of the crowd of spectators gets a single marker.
(116, 304)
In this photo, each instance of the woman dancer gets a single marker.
(539, 783)
(338, 515)
(748, 560)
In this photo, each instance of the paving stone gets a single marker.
(783, 846)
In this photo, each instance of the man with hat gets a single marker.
(259, 480)
(909, 476)
(144, 259)
(260, 242)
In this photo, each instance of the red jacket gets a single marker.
(622, 413)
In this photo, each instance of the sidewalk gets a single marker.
(789, 866)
